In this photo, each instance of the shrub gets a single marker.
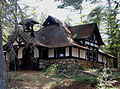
(19, 79)
(51, 71)
(117, 76)
(82, 68)
(70, 71)
(61, 76)
(93, 81)
(99, 70)
(16, 87)
(85, 79)
(106, 80)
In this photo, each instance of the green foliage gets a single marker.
(60, 76)
(55, 71)
(113, 31)
(68, 20)
(96, 15)
(74, 36)
(106, 18)
(75, 3)
(99, 70)
(53, 86)
(19, 79)
(85, 79)
(106, 80)
(70, 71)
(116, 75)
(63, 71)
(80, 80)
(95, 1)
(82, 67)
(51, 71)
(16, 87)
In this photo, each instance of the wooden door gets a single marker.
(27, 59)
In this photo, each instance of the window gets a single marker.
(20, 52)
(95, 54)
(44, 52)
(60, 52)
(36, 52)
(92, 38)
(87, 54)
(90, 55)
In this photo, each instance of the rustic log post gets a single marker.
(3, 78)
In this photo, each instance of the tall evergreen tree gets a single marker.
(3, 78)
(105, 17)
(113, 30)
(8, 19)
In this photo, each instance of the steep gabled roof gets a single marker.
(85, 31)
(51, 21)
(23, 35)
(106, 54)
(55, 36)
(26, 38)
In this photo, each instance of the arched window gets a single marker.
(36, 52)
(20, 52)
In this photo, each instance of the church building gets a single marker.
(56, 42)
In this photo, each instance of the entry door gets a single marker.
(27, 61)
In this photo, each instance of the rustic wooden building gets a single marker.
(57, 41)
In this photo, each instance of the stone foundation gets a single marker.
(46, 63)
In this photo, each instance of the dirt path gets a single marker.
(29, 80)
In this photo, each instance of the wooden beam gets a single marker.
(64, 51)
(102, 58)
(55, 52)
(70, 51)
(78, 52)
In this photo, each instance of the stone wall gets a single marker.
(46, 63)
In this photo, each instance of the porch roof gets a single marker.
(102, 52)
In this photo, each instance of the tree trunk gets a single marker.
(3, 83)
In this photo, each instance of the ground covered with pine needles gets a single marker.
(61, 77)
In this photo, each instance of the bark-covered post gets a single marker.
(3, 79)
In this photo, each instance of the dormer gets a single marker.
(51, 21)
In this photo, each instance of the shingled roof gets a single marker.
(55, 34)
(52, 35)
(26, 38)
(85, 31)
